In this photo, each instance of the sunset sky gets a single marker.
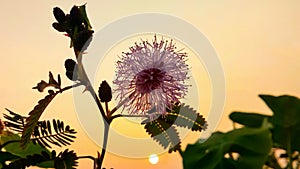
(258, 44)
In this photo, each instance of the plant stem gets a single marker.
(94, 95)
(69, 87)
(106, 130)
(120, 104)
(289, 151)
(106, 109)
(106, 120)
(125, 115)
(180, 152)
(89, 157)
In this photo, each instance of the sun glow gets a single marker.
(153, 159)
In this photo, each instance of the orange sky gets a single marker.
(258, 43)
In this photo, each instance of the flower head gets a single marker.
(151, 76)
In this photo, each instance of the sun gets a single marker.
(153, 159)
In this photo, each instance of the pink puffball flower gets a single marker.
(151, 76)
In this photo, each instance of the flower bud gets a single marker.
(76, 16)
(71, 73)
(59, 14)
(59, 27)
(105, 92)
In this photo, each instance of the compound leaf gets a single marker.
(33, 118)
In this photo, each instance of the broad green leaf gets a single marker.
(185, 116)
(15, 149)
(286, 120)
(46, 164)
(286, 110)
(7, 156)
(248, 119)
(251, 144)
(34, 117)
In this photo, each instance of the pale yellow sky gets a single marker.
(258, 43)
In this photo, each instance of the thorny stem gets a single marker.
(95, 97)
(87, 83)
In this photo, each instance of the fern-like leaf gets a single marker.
(163, 128)
(60, 136)
(33, 118)
(30, 160)
(14, 121)
(43, 133)
(184, 116)
(66, 160)
(163, 132)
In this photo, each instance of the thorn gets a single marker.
(86, 89)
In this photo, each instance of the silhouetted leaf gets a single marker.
(14, 121)
(62, 136)
(252, 146)
(52, 82)
(248, 119)
(162, 128)
(185, 116)
(285, 121)
(31, 160)
(7, 156)
(66, 160)
(15, 149)
(164, 133)
(33, 118)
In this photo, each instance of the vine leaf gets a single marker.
(251, 145)
(33, 118)
(285, 121)
(163, 128)
(248, 119)
(52, 82)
